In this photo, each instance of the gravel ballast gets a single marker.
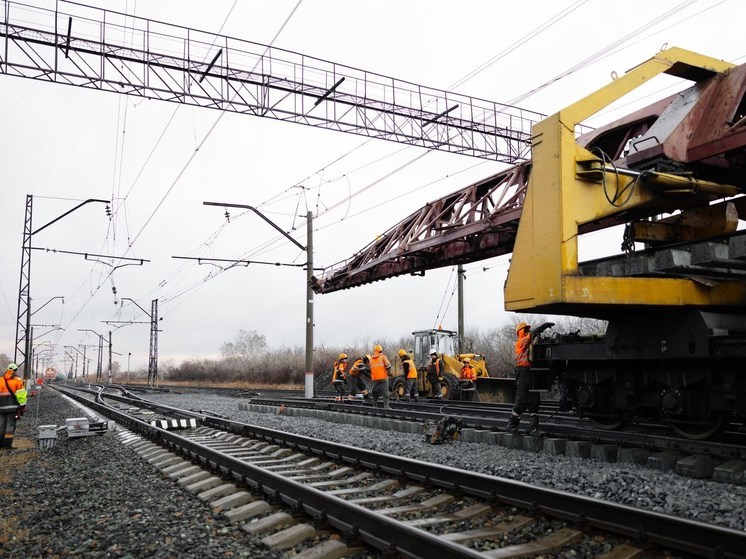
(628, 484)
(94, 497)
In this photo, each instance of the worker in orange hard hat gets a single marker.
(524, 398)
(379, 374)
(410, 376)
(12, 404)
(339, 377)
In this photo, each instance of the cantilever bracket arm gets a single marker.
(260, 214)
(68, 213)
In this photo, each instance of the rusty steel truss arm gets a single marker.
(99, 49)
(474, 223)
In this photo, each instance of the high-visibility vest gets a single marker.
(379, 364)
(410, 371)
(522, 346)
(340, 368)
(467, 373)
(9, 402)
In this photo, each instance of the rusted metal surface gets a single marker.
(479, 221)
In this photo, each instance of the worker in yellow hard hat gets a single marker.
(339, 377)
(357, 384)
(467, 380)
(410, 376)
(379, 374)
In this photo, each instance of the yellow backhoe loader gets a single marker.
(489, 389)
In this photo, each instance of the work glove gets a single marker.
(20, 411)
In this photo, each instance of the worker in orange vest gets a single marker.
(12, 404)
(379, 374)
(339, 377)
(434, 373)
(523, 397)
(467, 381)
(410, 376)
(357, 384)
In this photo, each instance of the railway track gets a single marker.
(352, 497)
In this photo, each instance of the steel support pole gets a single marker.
(460, 271)
(309, 306)
(110, 371)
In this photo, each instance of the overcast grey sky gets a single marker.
(65, 144)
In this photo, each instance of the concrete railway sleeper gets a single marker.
(273, 482)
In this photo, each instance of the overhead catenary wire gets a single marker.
(188, 162)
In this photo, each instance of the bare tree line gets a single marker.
(248, 359)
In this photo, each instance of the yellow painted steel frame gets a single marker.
(543, 275)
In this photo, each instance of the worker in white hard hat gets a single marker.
(435, 373)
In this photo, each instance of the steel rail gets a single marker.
(376, 530)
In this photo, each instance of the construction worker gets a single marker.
(379, 374)
(12, 404)
(357, 385)
(410, 376)
(339, 377)
(523, 397)
(434, 369)
(468, 380)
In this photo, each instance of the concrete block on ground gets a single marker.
(503, 439)
(604, 452)
(514, 441)
(633, 456)
(664, 461)
(696, 466)
(533, 443)
(731, 471)
(554, 446)
(486, 437)
(469, 435)
(578, 449)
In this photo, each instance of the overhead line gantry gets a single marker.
(74, 44)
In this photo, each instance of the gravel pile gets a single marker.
(93, 497)
(628, 484)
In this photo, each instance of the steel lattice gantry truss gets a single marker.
(474, 223)
(78, 45)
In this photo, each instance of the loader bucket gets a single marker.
(498, 390)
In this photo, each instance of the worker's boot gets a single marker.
(513, 423)
(533, 429)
